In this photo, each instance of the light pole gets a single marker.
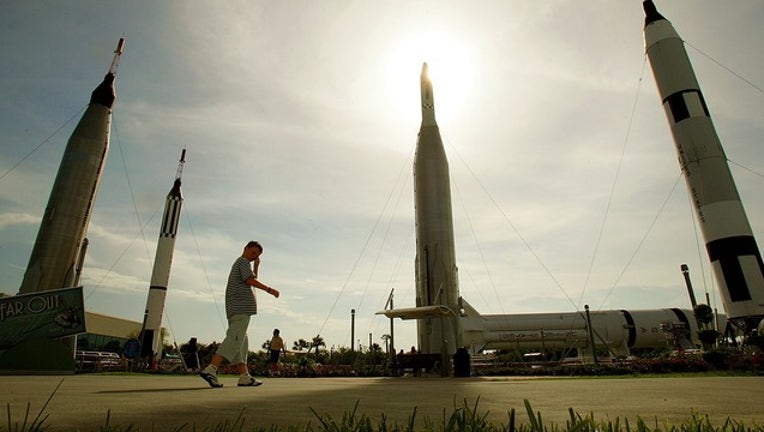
(352, 330)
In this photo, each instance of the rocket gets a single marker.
(730, 244)
(447, 323)
(52, 263)
(151, 339)
(435, 265)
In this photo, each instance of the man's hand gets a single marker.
(274, 292)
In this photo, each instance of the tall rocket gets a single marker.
(730, 244)
(55, 253)
(435, 266)
(151, 338)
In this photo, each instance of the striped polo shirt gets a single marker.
(239, 297)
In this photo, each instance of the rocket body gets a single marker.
(435, 266)
(731, 247)
(54, 256)
(151, 344)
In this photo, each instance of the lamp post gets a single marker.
(352, 330)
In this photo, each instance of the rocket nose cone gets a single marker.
(428, 105)
(104, 94)
(651, 12)
(425, 76)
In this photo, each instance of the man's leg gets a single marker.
(229, 349)
(210, 373)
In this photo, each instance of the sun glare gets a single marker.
(449, 66)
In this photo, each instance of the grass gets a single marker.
(462, 418)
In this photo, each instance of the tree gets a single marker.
(704, 315)
(300, 344)
(318, 341)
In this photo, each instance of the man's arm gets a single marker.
(257, 284)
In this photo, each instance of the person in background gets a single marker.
(276, 347)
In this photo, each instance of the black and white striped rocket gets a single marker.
(151, 337)
(435, 267)
(54, 257)
(730, 244)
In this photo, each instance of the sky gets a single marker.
(300, 121)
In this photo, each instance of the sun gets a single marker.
(450, 67)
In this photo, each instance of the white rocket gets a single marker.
(730, 244)
(151, 338)
(436, 273)
(52, 263)
(445, 321)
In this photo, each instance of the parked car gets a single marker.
(97, 361)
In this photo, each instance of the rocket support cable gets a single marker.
(16, 165)
(642, 241)
(516, 231)
(130, 190)
(386, 233)
(612, 188)
(402, 181)
(721, 65)
(358, 259)
(204, 269)
(479, 248)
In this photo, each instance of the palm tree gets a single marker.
(705, 317)
(704, 314)
(301, 344)
(318, 341)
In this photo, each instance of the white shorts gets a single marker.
(235, 346)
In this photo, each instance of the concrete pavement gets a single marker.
(165, 402)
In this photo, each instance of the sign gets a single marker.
(132, 348)
(44, 314)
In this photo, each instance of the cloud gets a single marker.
(10, 219)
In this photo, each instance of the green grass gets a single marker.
(462, 418)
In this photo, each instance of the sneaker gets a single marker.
(211, 379)
(249, 382)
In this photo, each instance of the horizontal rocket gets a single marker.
(435, 266)
(616, 330)
(731, 247)
(67, 215)
(151, 338)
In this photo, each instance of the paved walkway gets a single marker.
(167, 402)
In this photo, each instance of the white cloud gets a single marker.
(8, 219)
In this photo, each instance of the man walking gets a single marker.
(240, 305)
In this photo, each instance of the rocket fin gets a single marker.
(417, 312)
(467, 309)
